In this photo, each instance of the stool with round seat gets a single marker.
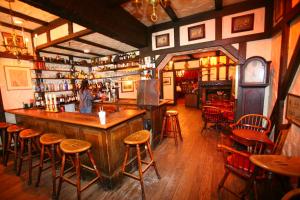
(137, 139)
(74, 147)
(171, 125)
(13, 135)
(50, 142)
(30, 137)
(3, 127)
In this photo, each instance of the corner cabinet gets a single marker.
(254, 78)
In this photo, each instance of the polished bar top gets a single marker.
(91, 120)
(129, 102)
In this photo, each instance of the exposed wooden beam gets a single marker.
(63, 54)
(15, 27)
(218, 4)
(23, 16)
(171, 13)
(65, 38)
(51, 25)
(99, 16)
(97, 45)
(77, 50)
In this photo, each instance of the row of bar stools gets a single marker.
(171, 125)
(50, 142)
(137, 139)
(3, 127)
(13, 135)
(30, 137)
(73, 147)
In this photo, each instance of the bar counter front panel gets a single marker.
(107, 140)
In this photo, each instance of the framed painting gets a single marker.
(292, 109)
(8, 39)
(196, 32)
(17, 78)
(242, 23)
(166, 80)
(162, 40)
(127, 86)
(278, 10)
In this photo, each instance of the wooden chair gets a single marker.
(293, 194)
(211, 114)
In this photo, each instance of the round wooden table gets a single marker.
(252, 135)
(288, 166)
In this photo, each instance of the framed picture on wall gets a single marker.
(166, 80)
(127, 86)
(242, 23)
(8, 39)
(17, 78)
(292, 109)
(162, 40)
(196, 32)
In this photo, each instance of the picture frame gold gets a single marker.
(242, 23)
(8, 40)
(127, 86)
(162, 40)
(292, 109)
(196, 32)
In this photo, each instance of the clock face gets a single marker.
(254, 72)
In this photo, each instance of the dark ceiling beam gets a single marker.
(171, 13)
(218, 4)
(23, 16)
(99, 16)
(63, 54)
(65, 39)
(15, 27)
(51, 25)
(76, 50)
(97, 45)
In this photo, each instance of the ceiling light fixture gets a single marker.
(154, 4)
(86, 50)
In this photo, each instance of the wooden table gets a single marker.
(288, 166)
(252, 135)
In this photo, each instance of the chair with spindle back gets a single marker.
(211, 114)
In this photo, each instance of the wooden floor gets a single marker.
(192, 170)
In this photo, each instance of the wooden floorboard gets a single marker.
(189, 171)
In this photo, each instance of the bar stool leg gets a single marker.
(140, 171)
(77, 161)
(174, 130)
(178, 128)
(126, 157)
(40, 166)
(30, 161)
(61, 174)
(15, 150)
(3, 144)
(90, 155)
(163, 129)
(53, 166)
(8, 145)
(21, 157)
(152, 159)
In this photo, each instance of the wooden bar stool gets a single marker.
(30, 136)
(13, 135)
(3, 127)
(50, 142)
(139, 138)
(75, 147)
(171, 125)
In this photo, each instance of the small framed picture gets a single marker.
(8, 40)
(17, 78)
(127, 86)
(242, 23)
(166, 80)
(162, 40)
(196, 32)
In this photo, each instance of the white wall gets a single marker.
(168, 90)
(13, 98)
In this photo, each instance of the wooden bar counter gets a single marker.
(107, 140)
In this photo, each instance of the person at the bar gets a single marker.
(85, 97)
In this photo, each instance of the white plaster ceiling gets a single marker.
(107, 41)
(185, 8)
(26, 24)
(29, 10)
(81, 46)
(63, 51)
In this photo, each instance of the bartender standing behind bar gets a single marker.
(85, 97)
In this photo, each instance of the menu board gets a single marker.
(292, 109)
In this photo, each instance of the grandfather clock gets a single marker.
(254, 78)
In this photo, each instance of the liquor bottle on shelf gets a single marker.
(66, 85)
